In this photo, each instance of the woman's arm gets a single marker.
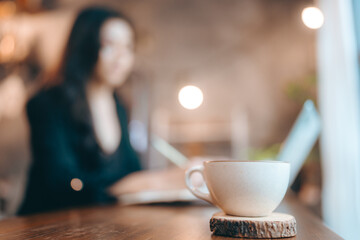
(150, 180)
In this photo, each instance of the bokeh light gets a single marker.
(190, 97)
(7, 9)
(312, 17)
(76, 184)
(12, 96)
(7, 45)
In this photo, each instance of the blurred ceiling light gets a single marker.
(312, 17)
(7, 8)
(190, 97)
(7, 45)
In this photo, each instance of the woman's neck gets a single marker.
(104, 116)
(96, 89)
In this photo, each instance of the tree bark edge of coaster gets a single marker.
(276, 225)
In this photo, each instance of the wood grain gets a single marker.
(176, 221)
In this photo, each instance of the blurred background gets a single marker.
(254, 63)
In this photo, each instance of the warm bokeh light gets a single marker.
(12, 97)
(7, 45)
(190, 97)
(7, 9)
(312, 17)
(76, 184)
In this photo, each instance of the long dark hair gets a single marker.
(77, 67)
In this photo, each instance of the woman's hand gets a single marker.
(168, 179)
(155, 180)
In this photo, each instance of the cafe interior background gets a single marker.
(255, 63)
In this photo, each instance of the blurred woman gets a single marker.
(79, 134)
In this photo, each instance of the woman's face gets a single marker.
(116, 56)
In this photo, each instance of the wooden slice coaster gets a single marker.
(276, 225)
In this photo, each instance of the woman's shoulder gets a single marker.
(43, 102)
(44, 97)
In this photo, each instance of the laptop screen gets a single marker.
(301, 139)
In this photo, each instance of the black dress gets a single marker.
(58, 158)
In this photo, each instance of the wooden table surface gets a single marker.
(176, 221)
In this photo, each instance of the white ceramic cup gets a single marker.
(242, 188)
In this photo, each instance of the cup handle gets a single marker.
(194, 190)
